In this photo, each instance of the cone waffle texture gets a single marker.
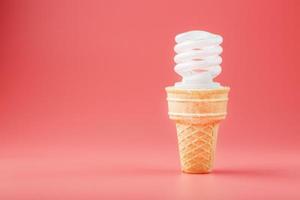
(197, 146)
(197, 114)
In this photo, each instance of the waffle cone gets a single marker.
(197, 114)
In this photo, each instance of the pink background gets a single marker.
(83, 105)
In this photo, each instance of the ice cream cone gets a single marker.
(197, 113)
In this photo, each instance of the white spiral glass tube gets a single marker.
(198, 59)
